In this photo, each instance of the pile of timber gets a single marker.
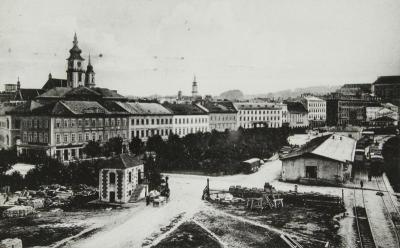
(290, 197)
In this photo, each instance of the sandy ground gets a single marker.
(133, 229)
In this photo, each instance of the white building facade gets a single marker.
(148, 119)
(316, 108)
(252, 115)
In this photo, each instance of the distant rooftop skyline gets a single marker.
(147, 47)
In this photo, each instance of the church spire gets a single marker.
(75, 42)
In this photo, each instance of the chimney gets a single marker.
(50, 77)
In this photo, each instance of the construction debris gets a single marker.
(11, 243)
(18, 211)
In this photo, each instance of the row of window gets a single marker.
(35, 137)
(314, 105)
(35, 123)
(259, 112)
(185, 131)
(146, 121)
(67, 138)
(145, 133)
(250, 125)
(259, 118)
(317, 110)
(190, 120)
(223, 118)
(90, 122)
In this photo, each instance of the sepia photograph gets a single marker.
(209, 124)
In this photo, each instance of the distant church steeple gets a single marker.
(89, 76)
(75, 71)
(18, 84)
(194, 87)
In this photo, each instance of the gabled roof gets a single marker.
(54, 93)
(107, 93)
(388, 80)
(54, 82)
(114, 107)
(122, 161)
(219, 107)
(296, 107)
(384, 119)
(335, 147)
(81, 108)
(27, 94)
(144, 108)
(184, 109)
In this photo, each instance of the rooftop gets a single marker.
(122, 161)
(184, 109)
(252, 106)
(335, 147)
(296, 107)
(142, 108)
(388, 80)
(219, 107)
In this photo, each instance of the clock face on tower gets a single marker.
(79, 64)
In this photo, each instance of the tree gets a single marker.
(114, 146)
(7, 159)
(152, 172)
(391, 156)
(136, 146)
(155, 143)
(92, 149)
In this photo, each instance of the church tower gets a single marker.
(89, 76)
(75, 71)
(194, 88)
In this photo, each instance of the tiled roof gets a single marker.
(122, 161)
(313, 98)
(27, 94)
(219, 107)
(107, 93)
(184, 109)
(253, 106)
(385, 118)
(335, 147)
(83, 107)
(56, 92)
(388, 80)
(114, 107)
(296, 107)
(54, 82)
(144, 108)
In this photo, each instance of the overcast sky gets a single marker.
(155, 46)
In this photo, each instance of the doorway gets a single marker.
(311, 171)
(112, 196)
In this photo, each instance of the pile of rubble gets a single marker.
(56, 196)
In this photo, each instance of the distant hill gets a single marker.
(284, 94)
(232, 95)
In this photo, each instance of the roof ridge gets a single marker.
(67, 107)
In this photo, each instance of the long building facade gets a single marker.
(252, 115)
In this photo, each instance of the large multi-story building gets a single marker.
(148, 119)
(316, 108)
(61, 118)
(251, 115)
(9, 127)
(188, 119)
(297, 115)
(223, 115)
(355, 89)
(373, 113)
(388, 89)
(348, 110)
(61, 129)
